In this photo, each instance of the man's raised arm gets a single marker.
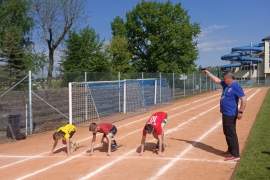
(212, 77)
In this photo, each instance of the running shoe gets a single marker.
(232, 158)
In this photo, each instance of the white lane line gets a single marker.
(167, 166)
(126, 154)
(169, 158)
(181, 159)
(4, 156)
(128, 157)
(85, 139)
(193, 102)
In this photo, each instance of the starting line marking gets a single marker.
(165, 158)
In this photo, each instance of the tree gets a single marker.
(121, 56)
(85, 53)
(161, 37)
(15, 25)
(56, 18)
(118, 47)
(35, 61)
(118, 27)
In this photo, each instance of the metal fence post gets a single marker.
(265, 79)
(193, 83)
(184, 86)
(160, 81)
(258, 75)
(143, 89)
(30, 102)
(206, 85)
(200, 82)
(173, 87)
(125, 97)
(26, 119)
(155, 98)
(86, 102)
(119, 91)
(70, 102)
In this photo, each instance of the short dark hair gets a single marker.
(92, 127)
(229, 73)
(57, 135)
(148, 128)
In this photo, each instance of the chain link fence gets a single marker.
(38, 106)
(13, 104)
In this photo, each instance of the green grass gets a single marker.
(255, 162)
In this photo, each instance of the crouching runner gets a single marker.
(65, 133)
(155, 125)
(109, 131)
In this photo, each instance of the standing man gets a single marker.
(231, 94)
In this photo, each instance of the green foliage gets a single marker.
(118, 48)
(85, 53)
(254, 163)
(118, 27)
(15, 24)
(120, 55)
(35, 61)
(160, 37)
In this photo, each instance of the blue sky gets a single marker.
(224, 23)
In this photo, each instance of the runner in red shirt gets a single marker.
(155, 125)
(109, 131)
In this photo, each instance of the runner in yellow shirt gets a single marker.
(65, 133)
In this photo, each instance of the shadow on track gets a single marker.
(203, 146)
(149, 146)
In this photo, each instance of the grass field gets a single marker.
(255, 162)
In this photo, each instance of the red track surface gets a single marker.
(195, 143)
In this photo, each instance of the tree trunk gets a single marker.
(50, 68)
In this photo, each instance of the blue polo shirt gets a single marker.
(230, 97)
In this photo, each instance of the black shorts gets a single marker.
(113, 130)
